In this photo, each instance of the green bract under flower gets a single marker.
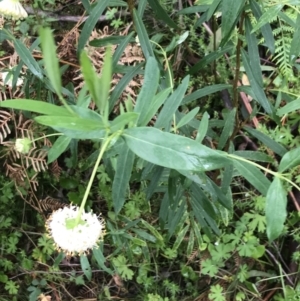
(79, 239)
(12, 9)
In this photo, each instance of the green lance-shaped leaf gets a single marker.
(231, 10)
(161, 13)
(254, 57)
(90, 77)
(90, 23)
(74, 127)
(36, 106)
(266, 140)
(172, 151)
(85, 266)
(171, 104)
(28, 59)
(276, 213)
(148, 91)
(122, 177)
(202, 129)
(295, 45)
(203, 92)
(143, 36)
(253, 175)
(100, 260)
(98, 87)
(104, 83)
(227, 129)
(187, 117)
(290, 107)
(258, 91)
(50, 59)
(290, 160)
(59, 146)
(266, 29)
(268, 16)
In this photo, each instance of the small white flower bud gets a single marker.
(23, 145)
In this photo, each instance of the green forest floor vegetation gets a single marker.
(149, 150)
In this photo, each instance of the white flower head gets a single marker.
(7, 78)
(12, 9)
(23, 145)
(79, 238)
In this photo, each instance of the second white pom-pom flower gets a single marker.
(12, 9)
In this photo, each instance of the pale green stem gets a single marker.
(167, 62)
(66, 105)
(104, 146)
(275, 174)
(50, 135)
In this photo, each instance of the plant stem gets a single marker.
(104, 146)
(50, 135)
(274, 173)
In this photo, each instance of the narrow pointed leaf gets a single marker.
(187, 117)
(258, 91)
(122, 176)
(50, 59)
(149, 88)
(143, 36)
(268, 16)
(289, 160)
(267, 141)
(156, 103)
(104, 82)
(85, 266)
(276, 213)
(266, 29)
(254, 57)
(202, 129)
(171, 105)
(90, 77)
(227, 129)
(70, 123)
(171, 150)
(161, 13)
(28, 59)
(253, 175)
(100, 260)
(204, 92)
(295, 45)
(119, 88)
(289, 107)
(90, 23)
(59, 146)
(231, 10)
(36, 106)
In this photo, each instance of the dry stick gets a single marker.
(291, 194)
(58, 17)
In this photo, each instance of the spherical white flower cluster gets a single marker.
(13, 9)
(80, 239)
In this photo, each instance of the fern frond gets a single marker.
(56, 169)
(5, 117)
(36, 159)
(51, 204)
(284, 36)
